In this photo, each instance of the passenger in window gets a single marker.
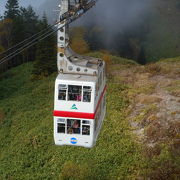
(78, 97)
(70, 131)
(86, 94)
(87, 97)
(77, 93)
(62, 95)
(85, 130)
(76, 127)
(74, 93)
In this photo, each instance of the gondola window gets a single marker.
(87, 94)
(61, 128)
(62, 92)
(85, 130)
(73, 126)
(74, 93)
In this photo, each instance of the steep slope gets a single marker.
(27, 150)
(154, 113)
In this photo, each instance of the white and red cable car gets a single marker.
(79, 101)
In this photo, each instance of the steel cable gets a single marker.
(29, 38)
(41, 37)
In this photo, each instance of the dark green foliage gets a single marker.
(25, 24)
(17, 30)
(45, 62)
(30, 20)
(15, 33)
(30, 27)
(12, 9)
(12, 12)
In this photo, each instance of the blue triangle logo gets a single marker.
(74, 107)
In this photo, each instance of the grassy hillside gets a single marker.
(27, 150)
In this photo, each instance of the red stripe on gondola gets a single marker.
(79, 114)
(99, 102)
(74, 114)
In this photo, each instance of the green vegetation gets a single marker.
(46, 54)
(27, 150)
(20, 24)
(135, 92)
(26, 135)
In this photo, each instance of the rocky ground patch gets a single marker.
(154, 111)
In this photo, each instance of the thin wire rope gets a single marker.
(24, 46)
(30, 45)
(28, 38)
(67, 22)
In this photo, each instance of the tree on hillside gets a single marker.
(5, 33)
(45, 62)
(30, 20)
(5, 39)
(30, 27)
(12, 12)
(1, 49)
(24, 25)
(12, 9)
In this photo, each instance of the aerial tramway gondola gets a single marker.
(79, 101)
(80, 87)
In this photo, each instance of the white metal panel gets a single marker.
(80, 140)
(85, 107)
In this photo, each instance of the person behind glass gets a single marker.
(78, 97)
(70, 130)
(76, 127)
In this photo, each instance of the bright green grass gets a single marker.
(27, 150)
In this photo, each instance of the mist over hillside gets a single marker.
(114, 21)
(49, 7)
(112, 15)
(143, 30)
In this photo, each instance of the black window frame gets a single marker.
(73, 94)
(87, 90)
(62, 89)
(70, 127)
(59, 128)
(87, 131)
